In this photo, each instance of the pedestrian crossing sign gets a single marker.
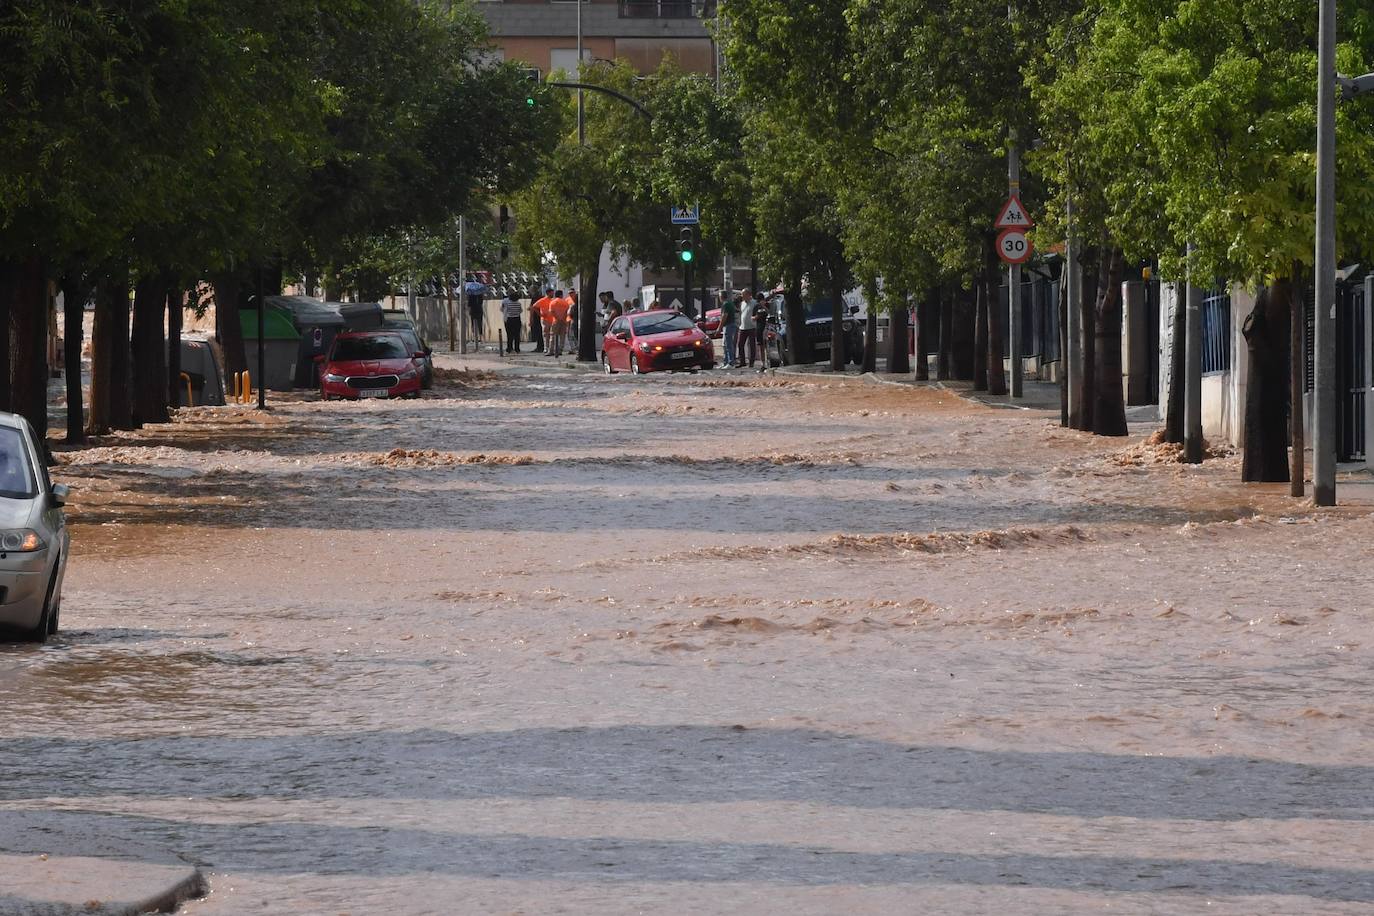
(1013, 215)
(686, 216)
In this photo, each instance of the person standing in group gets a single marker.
(510, 311)
(729, 329)
(746, 331)
(556, 326)
(572, 320)
(761, 313)
(539, 316)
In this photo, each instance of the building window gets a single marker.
(1216, 330)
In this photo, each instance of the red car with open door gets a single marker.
(370, 364)
(657, 341)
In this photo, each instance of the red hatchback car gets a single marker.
(660, 340)
(370, 364)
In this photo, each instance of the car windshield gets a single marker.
(661, 323)
(16, 475)
(383, 346)
(819, 309)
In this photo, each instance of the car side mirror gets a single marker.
(60, 492)
(623, 335)
(420, 354)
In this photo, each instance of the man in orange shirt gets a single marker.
(557, 328)
(539, 312)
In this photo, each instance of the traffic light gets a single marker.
(686, 243)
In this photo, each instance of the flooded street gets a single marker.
(547, 641)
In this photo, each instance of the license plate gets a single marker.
(687, 354)
(373, 392)
(822, 345)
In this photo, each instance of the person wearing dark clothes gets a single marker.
(510, 311)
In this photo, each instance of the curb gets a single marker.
(192, 887)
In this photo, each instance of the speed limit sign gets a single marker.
(1013, 247)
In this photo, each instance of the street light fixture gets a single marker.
(1357, 86)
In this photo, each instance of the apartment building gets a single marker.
(543, 33)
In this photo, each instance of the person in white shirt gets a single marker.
(747, 325)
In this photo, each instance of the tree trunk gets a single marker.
(29, 346)
(1109, 412)
(963, 331)
(9, 288)
(1063, 349)
(837, 355)
(923, 320)
(74, 294)
(1178, 343)
(799, 349)
(899, 360)
(870, 359)
(228, 326)
(1087, 333)
(997, 370)
(1266, 330)
(1297, 375)
(110, 369)
(175, 312)
(149, 351)
(942, 361)
(980, 337)
(586, 315)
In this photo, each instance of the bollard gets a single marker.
(190, 398)
(247, 392)
(232, 394)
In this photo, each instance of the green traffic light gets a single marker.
(529, 100)
(687, 256)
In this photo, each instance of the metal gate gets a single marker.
(1352, 335)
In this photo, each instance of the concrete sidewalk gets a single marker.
(44, 885)
(55, 863)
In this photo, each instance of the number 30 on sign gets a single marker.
(1013, 247)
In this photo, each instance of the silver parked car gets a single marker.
(33, 534)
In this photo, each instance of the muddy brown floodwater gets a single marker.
(553, 642)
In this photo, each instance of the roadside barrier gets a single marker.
(190, 398)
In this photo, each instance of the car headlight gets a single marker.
(847, 325)
(331, 377)
(20, 540)
(644, 346)
(409, 373)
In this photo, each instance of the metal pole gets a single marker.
(1192, 371)
(1074, 358)
(462, 287)
(262, 345)
(1014, 276)
(581, 118)
(1324, 321)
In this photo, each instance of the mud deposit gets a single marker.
(553, 642)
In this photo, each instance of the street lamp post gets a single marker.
(581, 118)
(1324, 319)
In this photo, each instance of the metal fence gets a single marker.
(1216, 330)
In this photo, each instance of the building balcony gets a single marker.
(667, 9)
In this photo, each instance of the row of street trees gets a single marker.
(166, 147)
(864, 140)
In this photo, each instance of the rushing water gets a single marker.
(550, 642)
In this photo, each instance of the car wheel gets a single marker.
(634, 364)
(695, 369)
(47, 620)
(606, 364)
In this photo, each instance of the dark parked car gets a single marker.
(818, 322)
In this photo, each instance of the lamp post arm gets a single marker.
(592, 87)
(1356, 86)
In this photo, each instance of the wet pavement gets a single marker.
(546, 641)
